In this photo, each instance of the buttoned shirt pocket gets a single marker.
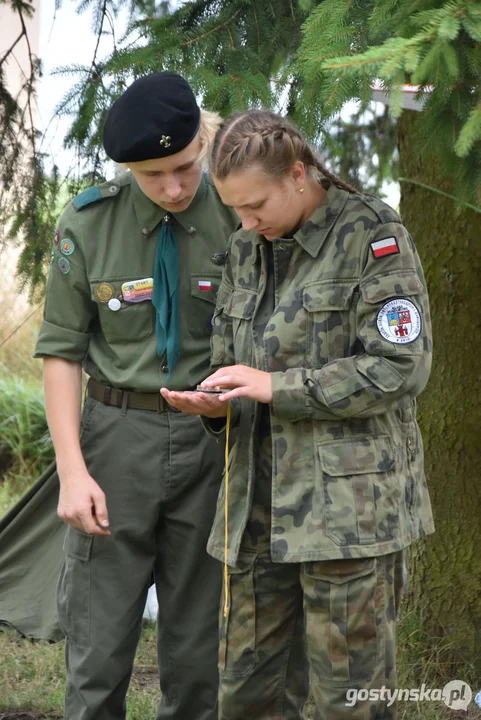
(239, 309)
(329, 326)
(203, 290)
(360, 489)
(130, 321)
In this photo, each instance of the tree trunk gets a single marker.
(444, 592)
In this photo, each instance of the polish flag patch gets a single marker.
(204, 285)
(387, 246)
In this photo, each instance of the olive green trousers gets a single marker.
(161, 474)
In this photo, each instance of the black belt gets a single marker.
(128, 399)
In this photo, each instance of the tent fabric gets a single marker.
(31, 557)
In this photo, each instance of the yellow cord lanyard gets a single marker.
(226, 515)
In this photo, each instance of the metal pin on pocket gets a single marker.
(114, 304)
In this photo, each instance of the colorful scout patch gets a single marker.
(67, 246)
(399, 321)
(103, 292)
(64, 265)
(387, 246)
(56, 237)
(135, 291)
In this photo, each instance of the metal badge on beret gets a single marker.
(103, 292)
(219, 258)
(157, 116)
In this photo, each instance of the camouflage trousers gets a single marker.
(335, 618)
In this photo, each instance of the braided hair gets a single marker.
(261, 137)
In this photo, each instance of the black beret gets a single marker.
(155, 117)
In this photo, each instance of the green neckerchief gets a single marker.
(164, 294)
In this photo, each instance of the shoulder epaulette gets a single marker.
(384, 212)
(100, 192)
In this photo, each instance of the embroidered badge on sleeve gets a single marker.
(399, 321)
(387, 246)
(67, 246)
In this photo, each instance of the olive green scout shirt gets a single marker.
(108, 236)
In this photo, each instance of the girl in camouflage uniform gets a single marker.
(323, 341)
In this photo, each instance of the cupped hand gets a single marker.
(241, 381)
(195, 403)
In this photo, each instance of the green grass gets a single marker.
(32, 679)
(25, 445)
(32, 676)
(429, 661)
(25, 448)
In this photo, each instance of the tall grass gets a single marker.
(17, 340)
(25, 446)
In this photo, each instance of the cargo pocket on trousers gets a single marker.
(237, 631)
(342, 619)
(73, 595)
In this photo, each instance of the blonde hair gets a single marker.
(210, 123)
(263, 138)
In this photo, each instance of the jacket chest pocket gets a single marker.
(330, 332)
(239, 309)
(203, 292)
(127, 322)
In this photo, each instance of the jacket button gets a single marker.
(165, 369)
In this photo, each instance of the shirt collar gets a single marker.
(313, 233)
(149, 214)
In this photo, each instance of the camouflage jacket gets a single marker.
(348, 346)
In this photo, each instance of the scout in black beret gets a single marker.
(135, 273)
(157, 116)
